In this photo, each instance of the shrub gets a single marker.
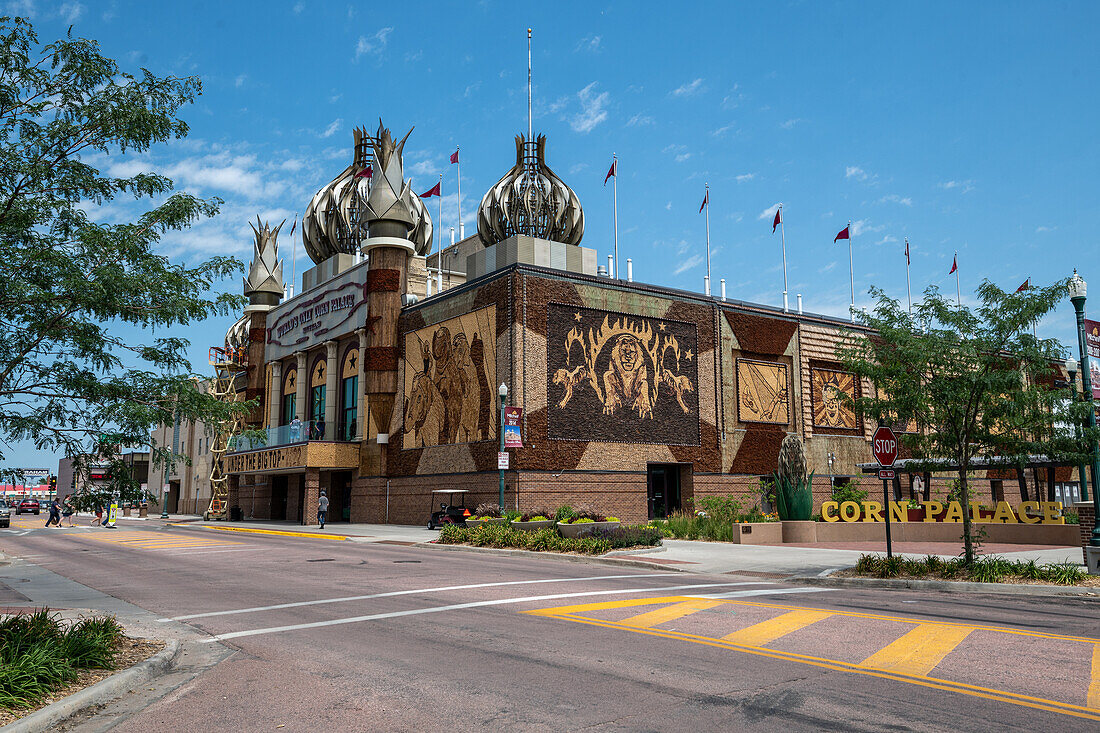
(39, 653)
(503, 536)
(623, 537)
(722, 508)
(1072, 517)
(564, 513)
(1063, 573)
(488, 511)
(847, 492)
(536, 515)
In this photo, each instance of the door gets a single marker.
(278, 497)
(663, 489)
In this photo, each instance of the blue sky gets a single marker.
(963, 128)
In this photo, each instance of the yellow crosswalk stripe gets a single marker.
(1094, 685)
(919, 651)
(670, 613)
(770, 630)
(602, 606)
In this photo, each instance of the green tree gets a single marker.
(75, 289)
(976, 382)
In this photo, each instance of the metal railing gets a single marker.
(297, 432)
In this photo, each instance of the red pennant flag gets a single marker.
(907, 251)
(454, 157)
(611, 171)
(842, 234)
(954, 264)
(1025, 286)
(294, 225)
(777, 220)
(433, 191)
(706, 200)
(367, 172)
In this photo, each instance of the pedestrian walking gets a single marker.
(55, 514)
(322, 509)
(67, 510)
(98, 516)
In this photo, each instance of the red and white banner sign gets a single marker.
(1092, 343)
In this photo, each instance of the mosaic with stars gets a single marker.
(621, 378)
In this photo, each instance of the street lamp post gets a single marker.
(1077, 292)
(503, 392)
(1071, 370)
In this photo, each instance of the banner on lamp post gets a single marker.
(1092, 343)
(513, 418)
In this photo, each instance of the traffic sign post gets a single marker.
(884, 446)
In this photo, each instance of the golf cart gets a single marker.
(448, 513)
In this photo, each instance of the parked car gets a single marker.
(5, 514)
(28, 506)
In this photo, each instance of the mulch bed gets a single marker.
(130, 652)
(1089, 581)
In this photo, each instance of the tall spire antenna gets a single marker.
(530, 125)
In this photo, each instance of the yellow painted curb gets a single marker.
(278, 532)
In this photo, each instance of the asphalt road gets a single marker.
(314, 634)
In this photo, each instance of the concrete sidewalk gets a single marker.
(692, 556)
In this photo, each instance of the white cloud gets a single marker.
(854, 171)
(745, 177)
(688, 89)
(70, 12)
(829, 266)
(21, 8)
(966, 186)
(722, 130)
(886, 240)
(1040, 230)
(240, 80)
(895, 199)
(424, 168)
(470, 89)
(668, 206)
(682, 157)
(673, 148)
(788, 124)
(689, 263)
(334, 98)
(863, 226)
(298, 8)
(769, 213)
(374, 44)
(638, 120)
(588, 43)
(592, 109)
(333, 127)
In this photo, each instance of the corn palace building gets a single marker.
(379, 382)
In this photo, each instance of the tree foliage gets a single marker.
(72, 377)
(975, 383)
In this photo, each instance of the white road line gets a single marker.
(457, 607)
(437, 589)
(764, 592)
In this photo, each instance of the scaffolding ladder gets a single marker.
(229, 364)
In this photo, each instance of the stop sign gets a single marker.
(884, 446)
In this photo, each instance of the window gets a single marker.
(349, 395)
(290, 396)
(317, 401)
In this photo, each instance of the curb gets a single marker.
(597, 559)
(278, 532)
(99, 693)
(948, 586)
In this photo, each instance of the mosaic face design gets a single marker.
(831, 409)
(621, 378)
(450, 368)
(762, 392)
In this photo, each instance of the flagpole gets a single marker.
(294, 261)
(852, 270)
(908, 287)
(706, 198)
(615, 165)
(439, 249)
(530, 126)
(783, 237)
(958, 290)
(461, 226)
